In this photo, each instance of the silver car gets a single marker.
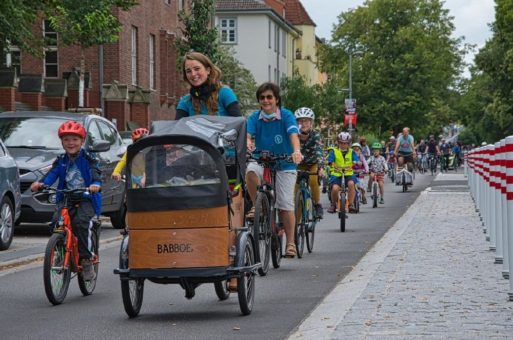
(10, 196)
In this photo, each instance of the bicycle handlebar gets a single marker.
(268, 157)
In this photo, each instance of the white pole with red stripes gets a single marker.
(490, 198)
(496, 202)
(509, 195)
(506, 249)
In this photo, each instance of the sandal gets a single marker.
(291, 250)
(251, 213)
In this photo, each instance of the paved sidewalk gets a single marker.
(431, 276)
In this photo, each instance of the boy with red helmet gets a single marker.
(138, 173)
(75, 169)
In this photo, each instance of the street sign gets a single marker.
(350, 104)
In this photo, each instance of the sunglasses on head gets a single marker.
(268, 97)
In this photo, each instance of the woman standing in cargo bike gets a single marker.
(187, 225)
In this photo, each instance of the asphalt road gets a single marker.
(283, 298)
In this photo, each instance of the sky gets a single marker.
(471, 17)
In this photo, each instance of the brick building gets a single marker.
(133, 80)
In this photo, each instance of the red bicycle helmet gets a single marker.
(138, 133)
(71, 128)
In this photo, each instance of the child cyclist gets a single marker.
(274, 129)
(360, 169)
(341, 159)
(312, 151)
(378, 168)
(138, 166)
(75, 169)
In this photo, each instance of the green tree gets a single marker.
(86, 23)
(16, 24)
(198, 33)
(493, 118)
(296, 93)
(404, 60)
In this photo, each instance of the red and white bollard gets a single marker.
(509, 195)
(495, 185)
(506, 249)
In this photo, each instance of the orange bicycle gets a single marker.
(61, 255)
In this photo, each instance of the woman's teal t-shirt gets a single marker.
(225, 98)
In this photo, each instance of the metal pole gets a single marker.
(350, 75)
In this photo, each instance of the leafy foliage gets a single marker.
(405, 62)
(487, 99)
(197, 34)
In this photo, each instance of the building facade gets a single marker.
(259, 34)
(134, 80)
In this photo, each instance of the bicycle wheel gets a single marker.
(276, 249)
(222, 291)
(403, 181)
(342, 211)
(310, 227)
(132, 290)
(262, 232)
(374, 194)
(87, 287)
(299, 230)
(56, 277)
(246, 282)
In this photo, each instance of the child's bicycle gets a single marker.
(61, 255)
(342, 201)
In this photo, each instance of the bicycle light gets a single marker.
(52, 198)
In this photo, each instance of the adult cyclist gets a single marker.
(432, 151)
(445, 149)
(312, 151)
(405, 149)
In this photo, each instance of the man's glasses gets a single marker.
(268, 97)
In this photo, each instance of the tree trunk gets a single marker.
(81, 78)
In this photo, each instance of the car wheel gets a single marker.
(6, 223)
(117, 218)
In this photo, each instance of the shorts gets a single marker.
(338, 180)
(408, 156)
(379, 176)
(284, 186)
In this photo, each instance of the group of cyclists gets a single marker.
(272, 128)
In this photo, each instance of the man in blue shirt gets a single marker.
(275, 130)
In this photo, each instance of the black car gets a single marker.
(10, 196)
(32, 140)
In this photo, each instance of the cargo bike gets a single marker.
(186, 217)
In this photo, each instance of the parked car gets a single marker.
(126, 136)
(10, 196)
(32, 140)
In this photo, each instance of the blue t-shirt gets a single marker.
(273, 136)
(225, 98)
(406, 145)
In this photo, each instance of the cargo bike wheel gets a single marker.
(131, 289)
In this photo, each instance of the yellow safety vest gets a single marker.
(341, 161)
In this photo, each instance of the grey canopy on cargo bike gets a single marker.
(186, 164)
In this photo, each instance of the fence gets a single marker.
(490, 176)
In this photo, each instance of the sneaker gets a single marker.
(324, 190)
(381, 201)
(332, 209)
(364, 200)
(318, 210)
(88, 270)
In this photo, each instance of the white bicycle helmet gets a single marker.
(304, 112)
(357, 145)
(344, 137)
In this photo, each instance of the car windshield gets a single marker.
(31, 132)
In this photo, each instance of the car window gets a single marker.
(108, 133)
(93, 133)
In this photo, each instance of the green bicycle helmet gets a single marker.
(376, 145)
